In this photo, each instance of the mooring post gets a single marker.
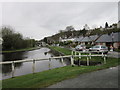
(33, 68)
(13, 69)
(87, 61)
(104, 59)
(49, 63)
(72, 61)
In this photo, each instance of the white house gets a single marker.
(72, 39)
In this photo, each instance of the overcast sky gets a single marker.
(40, 19)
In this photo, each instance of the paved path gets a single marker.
(107, 78)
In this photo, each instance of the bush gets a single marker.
(118, 49)
(88, 46)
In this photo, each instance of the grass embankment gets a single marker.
(20, 50)
(49, 77)
(61, 50)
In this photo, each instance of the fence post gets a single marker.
(79, 62)
(90, 55)
(13, 68)
(72, 61)
(75, 53)
(49, 63)
(33, 68)
(71, 52)
(102, 54)
(79, 55)
(87, 61)
(104, 59)
(62, 60)
(79, 59)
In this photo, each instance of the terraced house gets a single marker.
(110, 40)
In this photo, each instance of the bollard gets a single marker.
(33, 68)
(13, 69)
(72, 61)
(87, 61)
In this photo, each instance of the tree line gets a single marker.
(13, 40)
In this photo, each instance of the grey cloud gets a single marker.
(38, 20)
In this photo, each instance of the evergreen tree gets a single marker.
(106, 25)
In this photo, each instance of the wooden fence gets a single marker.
(73, 54)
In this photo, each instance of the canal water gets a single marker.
(26, 67)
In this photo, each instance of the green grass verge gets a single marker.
(20, 50)
(49, 77)
(65, 51)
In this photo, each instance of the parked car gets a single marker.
(80, 47)
(99, 49)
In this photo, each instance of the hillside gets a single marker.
(77, 33)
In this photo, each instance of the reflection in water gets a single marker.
(26, 67)
(13, 56)
(7, 68)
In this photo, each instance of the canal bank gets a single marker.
(56, 52)
(60, 50)
(49, 77)
(20, 50)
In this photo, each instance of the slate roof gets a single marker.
(103, 38)
(94, 37)
(90, 38)
(108, 38)
(86, 39)
(79, 39)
